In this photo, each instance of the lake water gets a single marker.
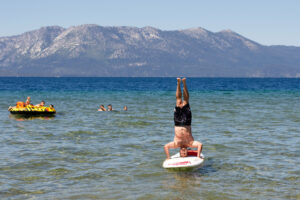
(250, 129)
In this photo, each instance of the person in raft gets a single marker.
(21, 104)
(27, 101)
(182, 118)
(40, 104)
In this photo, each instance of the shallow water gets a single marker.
(250, 129)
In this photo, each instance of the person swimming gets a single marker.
(109, 107)
(101, 108)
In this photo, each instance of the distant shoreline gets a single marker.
(90, 50)
(149, 77)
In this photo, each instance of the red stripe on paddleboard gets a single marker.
(180, 163)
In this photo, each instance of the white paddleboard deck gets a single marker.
(183, 162)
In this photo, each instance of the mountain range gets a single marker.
(97, 51)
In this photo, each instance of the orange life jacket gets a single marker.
(20, 104)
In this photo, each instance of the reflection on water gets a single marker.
(28, 117)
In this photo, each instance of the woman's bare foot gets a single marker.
(183, 80)
(178, 80)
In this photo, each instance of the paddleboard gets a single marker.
(185, 163)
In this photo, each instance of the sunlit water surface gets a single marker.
(250, 129)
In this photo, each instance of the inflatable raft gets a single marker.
(31, 110)
(190, 162)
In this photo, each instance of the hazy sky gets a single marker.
(268, 22)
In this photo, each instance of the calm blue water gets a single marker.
(250, 129)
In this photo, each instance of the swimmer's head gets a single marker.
(109, 107)
(183, 152)
(102, 108)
